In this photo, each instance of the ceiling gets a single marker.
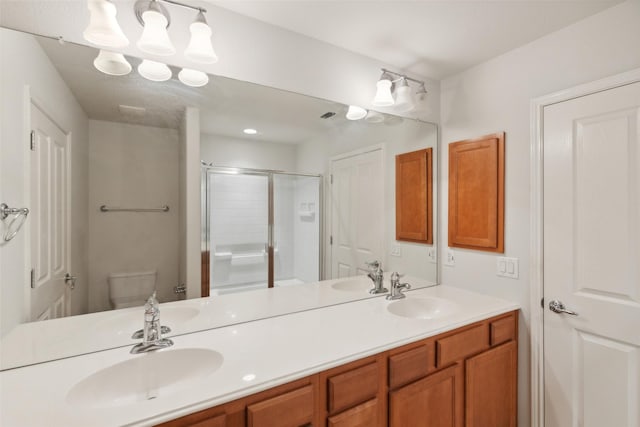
(430, 38)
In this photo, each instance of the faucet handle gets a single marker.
(373, 265)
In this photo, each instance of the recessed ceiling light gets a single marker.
(250, 131)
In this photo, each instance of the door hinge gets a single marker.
(331, 178)
(331, 240)
(32, 140)
(542, 302)
(33, 278)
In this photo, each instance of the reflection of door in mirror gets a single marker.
(357, 229)
(50, 169)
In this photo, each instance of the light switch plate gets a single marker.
(396, 250)
(507, 267)
(449, 259)
(432, 255)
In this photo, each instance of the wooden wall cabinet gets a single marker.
(476, 193)
(466, 377)
(414, 196)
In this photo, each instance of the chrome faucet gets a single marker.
(152, 332)
(376, 274)
(397, 287)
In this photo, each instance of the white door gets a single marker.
(357, 218)
(592, 260)
(49, 296)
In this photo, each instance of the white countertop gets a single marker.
(257, 355)
(37, 342)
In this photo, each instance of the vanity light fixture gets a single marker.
(390, 83)
(356, 113)
(154, 71)
(103, 29)
(112, 63)
(193, 78)
(200, 48)
(155, 20)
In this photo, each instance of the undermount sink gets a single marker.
(128, 322)
(353, 285)
(145, 377)
(422, 307)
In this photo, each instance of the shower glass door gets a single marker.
(238, 217)
(261, 229)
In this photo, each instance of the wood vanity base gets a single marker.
(465, 377)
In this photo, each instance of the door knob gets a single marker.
(558, 307)
(70, 281)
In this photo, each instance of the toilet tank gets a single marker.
(131, 289)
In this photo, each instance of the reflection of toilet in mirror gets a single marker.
(131, 289)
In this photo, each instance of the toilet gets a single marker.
(131, 289)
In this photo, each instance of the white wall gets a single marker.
(190, 206)
(396, 136)
(244, 153)
(30, 68)
(132, 166)
(495, 96)
(306, 229)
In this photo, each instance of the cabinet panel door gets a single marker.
(364, 415)
(292, 409)
(414, 196)
(491, 384)
(434, 401)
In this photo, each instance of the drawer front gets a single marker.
(291, 409)
(364, 415)
(219, 421)
(411, 365)
(350, 388)
(503, 330)
(458, 346)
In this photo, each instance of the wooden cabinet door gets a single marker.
(414, 196)
(434, 401)
(491, 384)
(292, 409)
(364, 415)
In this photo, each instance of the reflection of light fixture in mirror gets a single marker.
(154, 71)
(193, 78)
(200, 48)
(112, 63)
(386, 86)
(155, 38)
(383, 96)
(404, 101)
(250, 131)
(356, 113)
(103, 29)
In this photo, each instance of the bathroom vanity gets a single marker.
(362, 363)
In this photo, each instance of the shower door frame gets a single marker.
(207, 171)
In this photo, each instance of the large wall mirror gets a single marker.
(307, 195)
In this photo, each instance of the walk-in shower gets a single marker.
(260, 229)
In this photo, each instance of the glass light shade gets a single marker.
(155, 38)
(404, 99)
(200, 48)
(356, 113)
(154, 71)
(193, 78)
(103, 29)
(383, 96)
(112, 63)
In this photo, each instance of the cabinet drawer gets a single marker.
(503, 330)
(291, 409)
(458, 346)
(352, 387)
(364, 415)
(411, 365)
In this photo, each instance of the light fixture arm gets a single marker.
(142, 6)
(400, 76)
(188, 6)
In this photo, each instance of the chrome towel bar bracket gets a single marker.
(16, 223)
